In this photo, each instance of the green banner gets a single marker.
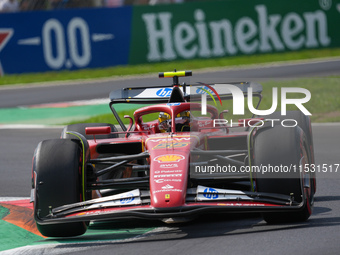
(235, 27)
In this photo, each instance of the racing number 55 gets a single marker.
(57, 58)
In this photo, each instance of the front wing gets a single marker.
(136, 204)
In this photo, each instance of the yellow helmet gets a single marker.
(183, 114)
(163, 116)
(164, 120)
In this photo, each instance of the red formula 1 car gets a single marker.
(177, 158)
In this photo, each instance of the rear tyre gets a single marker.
(57, 181)
(284, 148)
(80, 128)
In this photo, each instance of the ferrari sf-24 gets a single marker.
(172, 161)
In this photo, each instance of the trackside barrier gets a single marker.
(94, 38)
(232, 27)
(66, 39)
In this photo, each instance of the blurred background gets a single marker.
(31, 5)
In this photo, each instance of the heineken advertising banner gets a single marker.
(64, 39)
(93, 38)
(235, 27)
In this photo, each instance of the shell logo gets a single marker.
(169, 158)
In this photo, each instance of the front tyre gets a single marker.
(304, 122)
(284, 148)
(57, 181)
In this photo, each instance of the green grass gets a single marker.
(168, 66)
(324, 104)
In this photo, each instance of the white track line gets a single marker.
(6, 199)
(328, 124)
(97, 101)
(28, 126)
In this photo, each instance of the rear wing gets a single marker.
(180, 93)
(161, 94)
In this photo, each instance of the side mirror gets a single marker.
(221, 115)
(97, 131)
(130, 124)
